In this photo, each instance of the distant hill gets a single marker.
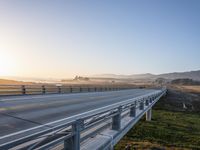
(147, 77)
(194, 75)
(13, 82)
(134, 76)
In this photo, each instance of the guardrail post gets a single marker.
(59, 89)
(88, 89)
(148, 115)
(147, 102)
(70, 89)
(43, 89)
(73, 143)
(153, 98)
(23, 89)
(150, 99)
(133, 110)
(95, 89)
(142, 105)
(116, 120)
(80, 89)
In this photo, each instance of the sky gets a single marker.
(64, 38)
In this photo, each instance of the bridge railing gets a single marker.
(56, 89)
(73, 130)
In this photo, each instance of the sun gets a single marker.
(7, 64)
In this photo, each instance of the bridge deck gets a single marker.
(23, 112)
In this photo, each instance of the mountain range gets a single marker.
(194, 75)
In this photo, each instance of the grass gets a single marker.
(166, 130)
(169, 129)
(191, 88)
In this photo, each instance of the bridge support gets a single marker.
(148, 115)
(73, 143)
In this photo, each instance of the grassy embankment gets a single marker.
(172, 127)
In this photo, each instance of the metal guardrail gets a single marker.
(73, 130)
(56, 89)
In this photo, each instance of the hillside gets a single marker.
(167, 131)
(13, 82)
(134, 76)
(174, 126)
(194, 75)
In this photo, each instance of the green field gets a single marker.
(173, 130)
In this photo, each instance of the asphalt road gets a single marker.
(23, 112)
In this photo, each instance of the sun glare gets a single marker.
(7, 65)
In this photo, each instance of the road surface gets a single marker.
(18, 113)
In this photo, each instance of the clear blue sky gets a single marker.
(64, 38)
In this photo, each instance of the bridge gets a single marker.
(73, 118)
